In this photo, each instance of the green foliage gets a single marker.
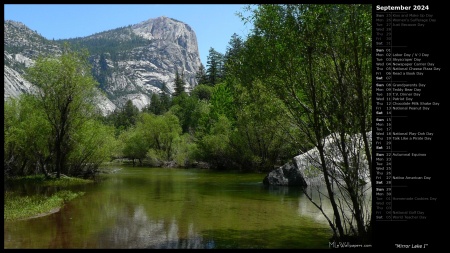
(66, 93)
(262, 128)
(214, 147)
(232, 56)
(54, 130)
(156, 106)
(201, 76)
(185, 150)
(95, 143)
(135, 145)
(179, 84)
(189, 110)
(202, 92)
(214, 67)
(316, 59)
(222, 102)
(123, 118)
(153, 137)
(129, 114)
(27, 136)
(162, 132)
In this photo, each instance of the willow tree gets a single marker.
(316, 59)
(66, 92)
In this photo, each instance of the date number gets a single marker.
(420, 7)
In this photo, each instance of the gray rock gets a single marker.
(286, 175)
(304, 169)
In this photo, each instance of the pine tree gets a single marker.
(179, 84)
(215, 67)
(201, 75)
(232, 54)
(165, 98)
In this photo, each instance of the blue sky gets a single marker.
(213, 23)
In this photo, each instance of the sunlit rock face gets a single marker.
(305, 169)
(129, 63)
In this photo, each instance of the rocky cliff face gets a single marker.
(22, 45)
(129, 62)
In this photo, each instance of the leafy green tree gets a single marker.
(95, 144)
(316, 60)
(263, 138)
(185, 150)
(263, 132)
(27, 146)
(214, 146)
(160, 132)
(191, 108)
(66, 92)
(202, 92)
(135, 146)
(216, 128)
(188, 109)
(222, 102)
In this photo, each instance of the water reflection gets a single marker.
(177, 209)
(139, 231)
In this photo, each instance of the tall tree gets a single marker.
(155, 106)
(214, 67)
(232, 55)
(129, 114)
(201, 76)
(179, 84)
(66, 94)
(165, 98)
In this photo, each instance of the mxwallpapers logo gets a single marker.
(337, 245)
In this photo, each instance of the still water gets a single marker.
(176, 208)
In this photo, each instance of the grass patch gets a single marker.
(22, 207)
(64, 181)
(18, 207)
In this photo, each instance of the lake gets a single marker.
(161, 208)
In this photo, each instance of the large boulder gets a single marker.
(304, 169)
(286, 175)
